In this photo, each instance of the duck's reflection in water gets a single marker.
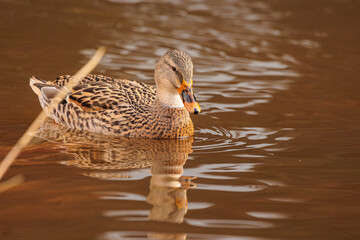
(107, 155)
(168, 193)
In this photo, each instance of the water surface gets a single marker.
(275, 153)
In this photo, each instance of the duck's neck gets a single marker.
(169, 98)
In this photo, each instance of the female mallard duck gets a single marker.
(127, 108)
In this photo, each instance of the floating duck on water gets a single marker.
(127, 108)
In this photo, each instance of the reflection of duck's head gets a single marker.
(168, 192)
(173, 78)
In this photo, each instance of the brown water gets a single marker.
(276, 152)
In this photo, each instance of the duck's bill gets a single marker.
(188, 98)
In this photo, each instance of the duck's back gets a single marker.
(98, 92)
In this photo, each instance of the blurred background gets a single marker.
(276, 151)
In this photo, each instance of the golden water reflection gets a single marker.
(110, 158)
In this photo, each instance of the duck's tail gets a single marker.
(45, 91)
(36, 84)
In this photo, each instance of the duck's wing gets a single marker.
(98, 93)
(98, 96)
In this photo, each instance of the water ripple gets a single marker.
(139, 235)
(211, 171)
(227, 223)
(230, 188)
(220, 139)
(121, 196)
(268, 215)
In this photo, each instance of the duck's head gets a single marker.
(173, 78)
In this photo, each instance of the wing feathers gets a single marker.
(98, 93)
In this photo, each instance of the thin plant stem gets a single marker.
(26, 137)
(12, 182)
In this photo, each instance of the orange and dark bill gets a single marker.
(188, 98)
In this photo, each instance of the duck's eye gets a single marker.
(174, 69)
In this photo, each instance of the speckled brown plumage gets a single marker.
(114, 106)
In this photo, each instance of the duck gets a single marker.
(124, 107)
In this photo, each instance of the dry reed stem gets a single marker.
(26, 137)
(12, 182)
